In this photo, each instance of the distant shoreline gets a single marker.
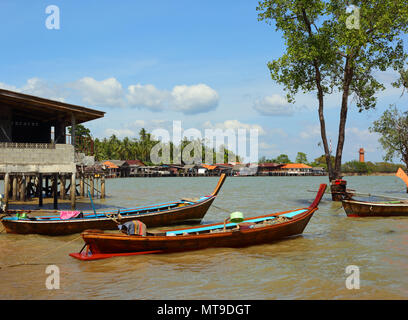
(369, 174)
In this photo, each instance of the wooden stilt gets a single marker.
(73, 191)
(6, 190)
(102, 187)
(23, 189)
(14, 196)
(55, 190)
(81, 186)
(46, 186)
(40, 190)
(92, 186)
(62, 187)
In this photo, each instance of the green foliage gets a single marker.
(355, 167)
(324, 55)
(375, 45)
(301, 158)
(393, 130)
(321, 162)
(140, 149)
(370, 167)
(282, 158)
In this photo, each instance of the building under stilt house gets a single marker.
(35, 158)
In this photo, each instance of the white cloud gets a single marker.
(274, 105)
(147, 96)
(234, 125)
(194, 99)
(39, 88)
(357, 138)
(108, 92)
(120, 133)
(310, 132)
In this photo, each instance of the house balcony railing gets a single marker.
(27, 145)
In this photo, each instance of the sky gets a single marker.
(149, 63)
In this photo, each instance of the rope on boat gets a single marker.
(40, 256)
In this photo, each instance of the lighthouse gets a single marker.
(361, 152)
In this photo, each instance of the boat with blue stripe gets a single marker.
(237, 232)
(162, 214)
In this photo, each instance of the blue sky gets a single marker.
(148, 63)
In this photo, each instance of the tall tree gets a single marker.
(301, 157)
(393, 130)
(282, 158)
(332, 50)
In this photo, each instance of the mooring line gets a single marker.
(42, 255)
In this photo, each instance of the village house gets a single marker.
(33, 146)
(297, 169)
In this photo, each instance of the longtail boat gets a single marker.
(356, 208)
(163, 214)
(251, 231)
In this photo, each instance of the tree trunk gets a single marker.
(348, 75)
(338, 186)
(320, 95)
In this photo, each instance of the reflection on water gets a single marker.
(311, 266)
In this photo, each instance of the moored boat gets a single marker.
(184, 210)
(250, 231)
(356, 208)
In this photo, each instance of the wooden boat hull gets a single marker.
(354, 208)
(99, 243)
(180, 212)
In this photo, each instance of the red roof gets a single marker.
(269, 165)
(135, 162)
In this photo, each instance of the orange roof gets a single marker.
(110, 165)
(208, 166)
(296, 166)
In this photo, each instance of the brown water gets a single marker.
(311, 266)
